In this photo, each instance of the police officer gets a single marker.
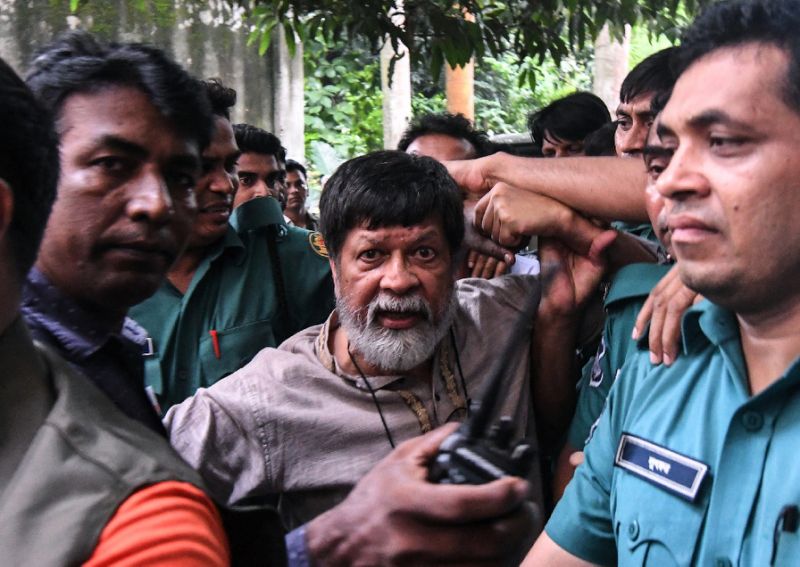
(693, 463)
(246, 281)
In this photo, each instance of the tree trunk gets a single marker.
(610, 66)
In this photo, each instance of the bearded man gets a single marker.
(403, 353)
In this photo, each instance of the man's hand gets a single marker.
(472, 175)
(509, 215)
(664, 309)
(485, 259)
(394, 516)
(573, 278)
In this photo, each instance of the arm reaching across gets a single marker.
(394, 516)
(510, 215)
(574, 279)
(547, 552)
(603, 187)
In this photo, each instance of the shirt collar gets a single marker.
(80, 332)
(703, 323)
(257, 213)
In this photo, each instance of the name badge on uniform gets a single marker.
(660, 466)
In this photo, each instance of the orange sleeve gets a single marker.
(169, 523)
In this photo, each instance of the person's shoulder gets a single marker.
(86, 416)
(634, 283)
(309, 243)
(270, 364)
(161, 524)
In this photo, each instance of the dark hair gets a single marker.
(571, 118)
(601, 141)
(28, 163)
(652, 75)
(453, 125)
(727, 24)
(78, 63)
(253, 139)
(220, 97)
(292, 165)
(659, 102)
(389, 188)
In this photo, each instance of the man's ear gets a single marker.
(335, 275)
(6, 207)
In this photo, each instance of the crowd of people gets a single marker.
(200, 371)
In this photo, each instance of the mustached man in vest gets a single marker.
(80, 482)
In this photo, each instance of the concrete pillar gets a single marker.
(610, 66)
(288, 115)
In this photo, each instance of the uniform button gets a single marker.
(752, 421)
(182, 375)
(633, 530)
(722, 562)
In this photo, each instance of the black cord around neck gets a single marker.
(374, 398)
(467, 401)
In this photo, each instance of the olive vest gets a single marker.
(86, 458)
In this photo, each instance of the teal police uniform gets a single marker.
(263, 282)
(643, 230)
(685, 466)
(628, 292)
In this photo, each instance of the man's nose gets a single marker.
(632, 141)
(397, 277)
(683, 177)
(223, 182)
(150, 198)
(260, 189)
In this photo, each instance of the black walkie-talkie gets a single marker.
(476, 453)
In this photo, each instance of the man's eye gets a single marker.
(624, 123)
(655, 166)
(426, 252)
(180, 180)
(113, 165)
(247, 179)
(276, 177)
(725, 141)
(370, 255)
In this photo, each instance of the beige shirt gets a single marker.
(291, 424)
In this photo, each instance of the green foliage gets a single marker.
(343, 98)
(436, 31)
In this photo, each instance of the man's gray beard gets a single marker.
(395, 350)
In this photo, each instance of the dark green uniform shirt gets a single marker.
(234, 306)
(628, 292)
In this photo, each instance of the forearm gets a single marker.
(554, 373)
(603, 187)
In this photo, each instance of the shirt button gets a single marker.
(752, 421)
(182, 375)
(633, 530)
(722, 562)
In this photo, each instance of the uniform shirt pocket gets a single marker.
(230, 349)
(654, 527)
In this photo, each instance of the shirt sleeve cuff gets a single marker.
(297, 549)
